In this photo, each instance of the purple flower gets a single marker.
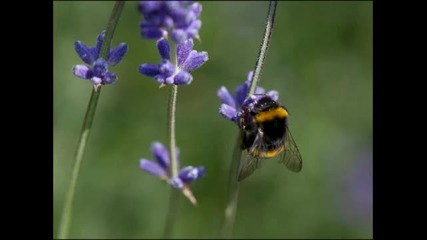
(232, 104)
(160, 168)
(166, 73)
(97, 71)
(180, 19)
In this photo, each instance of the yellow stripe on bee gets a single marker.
(279, 112)
(268, 154)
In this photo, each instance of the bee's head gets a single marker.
(259, 102)
(253, 100)
(264, 103)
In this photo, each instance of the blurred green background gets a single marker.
(320, 61)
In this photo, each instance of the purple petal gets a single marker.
(100, 67)
(82, 71)
(159, 19)
(149, 70)
(96, 80)
(183, 50)
(100, 40)
(145, 7)
(228, 112)
(161, 154)
(117, 54)
(160, 79)
(166, 68)
(151, 32)
(152, 168)
(169, 80)
(164, 49)
(190, 174)
(193, 29)
(176, 182)
(194, 61)
(168, 22)
(241, 92)
(92, 51)
(109, 78)
(177, 12)
(196, 8)
(259, 90)
(84, 52)
(183, 3)
(249, 77)
(273, 95)
(179, 36)
(183, 78)
(226, 97)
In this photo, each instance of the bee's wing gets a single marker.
(291, 156)
(249, 164)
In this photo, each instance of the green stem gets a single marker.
(233, 193)
(173, 91)
(111, 28)
(174, 195)
(171, 215)
(233, 187)
(171, 127)
(264, 47)
(86, 127)
(68, 205)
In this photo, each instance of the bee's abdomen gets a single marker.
(271, 114)
(273, 125)
(268, 153)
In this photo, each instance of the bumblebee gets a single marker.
(265, 134)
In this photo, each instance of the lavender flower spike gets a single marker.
(161, 169)
(180, 19)
(98, 72)
(166, 73)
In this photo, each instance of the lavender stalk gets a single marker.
(180, 21)
(233, 192)
(98, 76)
